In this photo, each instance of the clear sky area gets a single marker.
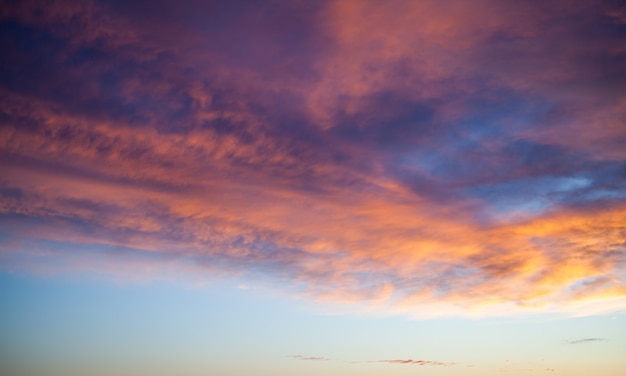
(333, 187)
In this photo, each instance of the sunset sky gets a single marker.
(312, 187)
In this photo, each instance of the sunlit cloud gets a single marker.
(414, 158)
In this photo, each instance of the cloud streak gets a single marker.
(415, 362)
(479, 174)
(584, 340)
(314, 358)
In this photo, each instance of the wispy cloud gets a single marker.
(415, 362)
(584, 340)
(302, 357)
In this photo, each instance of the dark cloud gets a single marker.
(416, 362)
(584, 340)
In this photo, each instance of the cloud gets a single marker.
(422, 159)
(302, 357)
(415, 362)
(584, 340)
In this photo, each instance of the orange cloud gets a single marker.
(401, 158)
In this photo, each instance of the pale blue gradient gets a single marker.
(83, 325)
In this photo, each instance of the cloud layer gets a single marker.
(424, 158)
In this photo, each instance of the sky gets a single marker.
(339, 187)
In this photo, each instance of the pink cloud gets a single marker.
(368, 154)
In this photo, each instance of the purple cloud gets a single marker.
(481, 173)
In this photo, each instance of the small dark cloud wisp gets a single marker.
(415, 362)
(584, 340)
